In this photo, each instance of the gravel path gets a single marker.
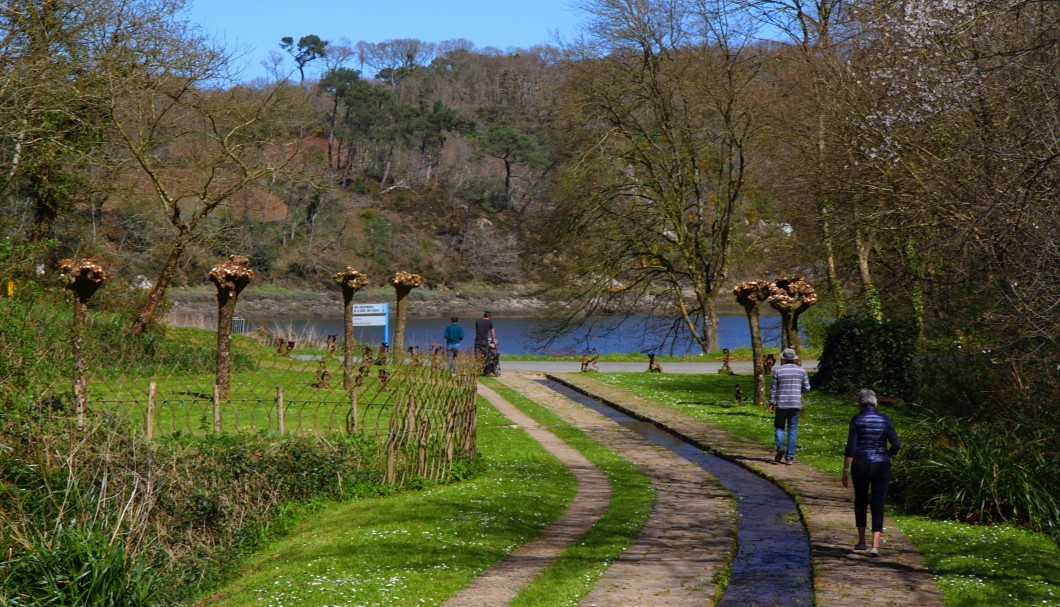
(690, 536)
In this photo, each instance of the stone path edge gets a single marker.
(689, 539)
(501, 582)
(842, 577)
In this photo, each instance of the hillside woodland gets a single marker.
(902, 156)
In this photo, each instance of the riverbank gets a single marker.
(197, 306)
(267, 302)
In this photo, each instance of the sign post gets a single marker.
(373, 315)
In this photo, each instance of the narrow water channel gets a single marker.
(772, 563)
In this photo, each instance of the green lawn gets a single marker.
(414, 548)
(419, 548)
(572, 575)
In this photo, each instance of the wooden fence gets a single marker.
(422, 417)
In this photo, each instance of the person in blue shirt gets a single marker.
(454, 334)
(871, 441)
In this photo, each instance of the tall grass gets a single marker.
(982, 472)
(81, 565)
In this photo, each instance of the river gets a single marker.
(519, 335)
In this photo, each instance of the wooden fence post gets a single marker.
(149, 423)
(279, 410)
(391, 462)
(216, 409)
(424, 432)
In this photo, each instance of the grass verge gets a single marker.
(974, 566)
(413, 548)
(573, 574)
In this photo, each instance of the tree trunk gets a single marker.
(794, 337)
(158, 292)
(507, 184)
(226, 307)
(386, 167)
(710, 325)
(80, 375)
(402, 316)
(347, 339)
(785, 329)
(755, 325)
(863, 247)
(834, 286)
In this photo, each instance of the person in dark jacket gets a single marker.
(871, 441)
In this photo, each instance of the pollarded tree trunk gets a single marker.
(351, 281)
(82, 279)
(750, 295)
(230, 278)
(404, 283)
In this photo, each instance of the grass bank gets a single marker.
(413, 548)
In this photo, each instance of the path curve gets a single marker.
(690, 535)
(499, 584)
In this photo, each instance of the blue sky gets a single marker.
(257, 26)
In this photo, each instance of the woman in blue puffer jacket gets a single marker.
(871, 441)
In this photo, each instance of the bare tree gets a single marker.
(660, 172)
(815, 35)
(194, 145)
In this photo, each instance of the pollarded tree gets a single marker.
(81, 278)
(404, 283)
(650, 196)
(350, 281)
(230, 278)
(791, 296)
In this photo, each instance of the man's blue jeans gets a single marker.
(789, 419)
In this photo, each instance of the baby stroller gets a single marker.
(492, 366)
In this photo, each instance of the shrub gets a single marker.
(35, 349)
(981, 472)
(105, 507)
(862, 352)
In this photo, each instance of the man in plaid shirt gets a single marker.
(785, 400)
